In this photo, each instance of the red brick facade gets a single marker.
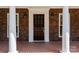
(53, 23)
(3, 23)
(23, 23)
(74, 22)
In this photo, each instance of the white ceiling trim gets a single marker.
(71, 7)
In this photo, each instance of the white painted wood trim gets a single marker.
(44, 11)
(70, 7)
(59, 24)
(30, 27)
(46, 26)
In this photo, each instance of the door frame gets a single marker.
(38, 10)
(38, 27)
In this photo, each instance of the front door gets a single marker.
(38, 27)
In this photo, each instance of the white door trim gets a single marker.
(44, 11)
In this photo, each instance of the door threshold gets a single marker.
(39, 41)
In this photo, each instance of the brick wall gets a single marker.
(3, 23)
(53, 26)
(54, 23)
(74, 18)
(74, 24)
(23, 20)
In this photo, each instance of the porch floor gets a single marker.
(26, 47)
(39, 47)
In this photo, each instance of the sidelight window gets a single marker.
(60, 24)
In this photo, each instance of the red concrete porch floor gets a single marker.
(25, 47)
(39, 47)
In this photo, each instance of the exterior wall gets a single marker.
(53, 23)
(74, 24)
(3, 23)
(23, 23)
(74, 15)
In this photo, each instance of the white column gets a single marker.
(66, 30)
(12, 29)
(30, 26)
(46, 26)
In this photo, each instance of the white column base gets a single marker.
(30, 41)
(13, 51)
(46, 40)
(64, 51)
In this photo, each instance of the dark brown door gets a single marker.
(38, 26)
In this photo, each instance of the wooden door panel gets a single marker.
(38, 27)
